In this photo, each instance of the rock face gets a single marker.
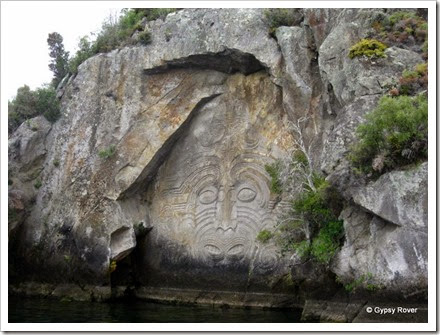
(211, 197)
(156, 170)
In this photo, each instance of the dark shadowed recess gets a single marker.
(228, 61)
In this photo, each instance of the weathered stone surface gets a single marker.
(122, 242)
(394, 257)
(211, 197)
(358, 77)
(174, 137)
(297, 57)
(400, 197)
(208, 32)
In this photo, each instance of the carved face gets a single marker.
(229, 211)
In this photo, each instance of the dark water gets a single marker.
(52, 311)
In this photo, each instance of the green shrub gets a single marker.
(38, 184)
(312, 204)
(394, 134)
(370, 48)
(47, 103)
(365, 281)
(326, 244)
(107, 153)
(274, 172)
(264, 236)
(56, 162)
(28, 104)
(277, 17)
(317, 207)
(85, 51)
(399, 16)
(154, 13)
(302, 248)
(401, 28)
(144, 37)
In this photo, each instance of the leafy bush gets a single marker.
(274, 172)
(107, 153)
(316, 210)
(38, 184)
(312, 204)
(401, 15)
(393, 135)
(47, 103)
(370, 48)
(117, 32)
(366, 281)
(264, 236)
(154, 13)
(85, 51)
(28, 104)
(277, 17)
(401, 28)
(326, 244)
(144, 37)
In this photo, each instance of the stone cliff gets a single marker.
(179, 193)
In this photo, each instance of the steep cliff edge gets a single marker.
(157, 165)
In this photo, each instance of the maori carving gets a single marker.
(220, 199)
(212, 196)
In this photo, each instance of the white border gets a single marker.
(430, 326)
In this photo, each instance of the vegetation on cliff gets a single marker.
(28, 104)
(395, 133)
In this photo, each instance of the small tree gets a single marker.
(60, 58)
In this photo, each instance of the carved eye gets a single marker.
(246, 195)
(208, 196)
(213, 250)
(236, 249)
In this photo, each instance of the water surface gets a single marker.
(52, 311)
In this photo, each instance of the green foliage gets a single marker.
(425, 47)
(302, 248)
(317, 207)
(116, 33)
(107, 153)
(59, 58)
(56, 162)
(38, 184)
(364, 281)
(47, 103)
(154, 13)
(144, 37)
(28, 104)
(312, 204)
(264, 236)
(393, 135)
(277, 17)
(274, 172)
(85, 51)
(326, 244)
(401, 15)
(401, 28)
(370, 48)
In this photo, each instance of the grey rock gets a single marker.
(393, 257)
(400, 197)
(122, 242)
(176, 134)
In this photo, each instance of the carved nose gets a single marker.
(225, 211)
